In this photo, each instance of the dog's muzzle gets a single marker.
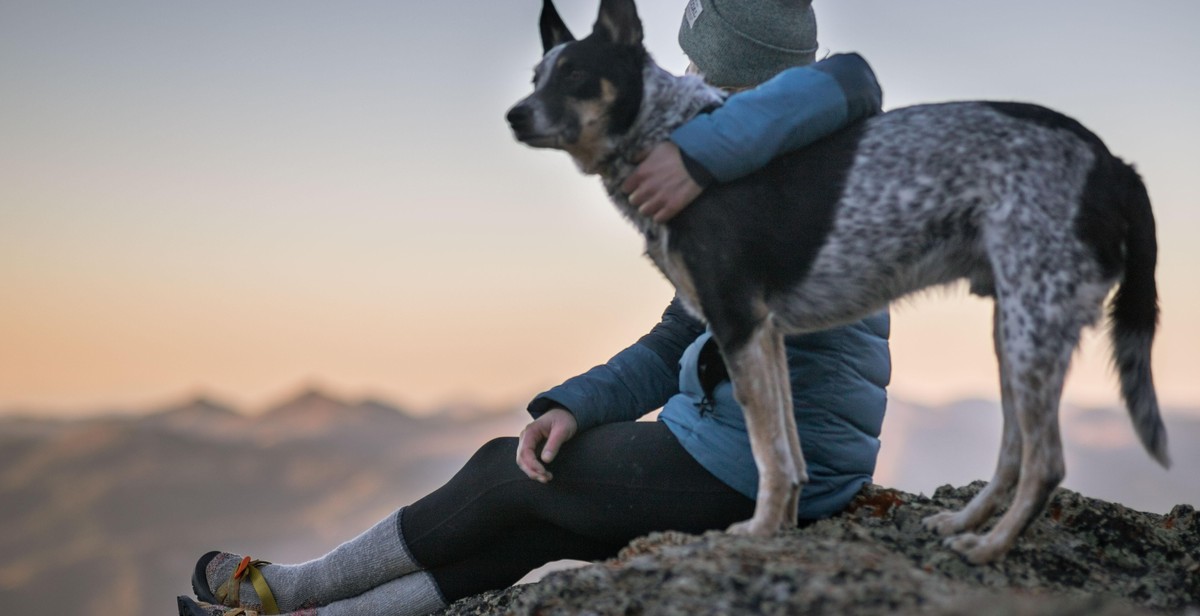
(520, 118)
(526, 127)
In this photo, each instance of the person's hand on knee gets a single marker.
(546, 433)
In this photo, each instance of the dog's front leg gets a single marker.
(758, 369)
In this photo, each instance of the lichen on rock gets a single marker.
(1082, 556)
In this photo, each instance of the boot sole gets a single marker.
(200, 583)
(187, 607)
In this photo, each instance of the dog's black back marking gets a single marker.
(759, 236)
(1047, 118)
(1100, 222)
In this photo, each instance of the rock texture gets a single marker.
(1083, 556)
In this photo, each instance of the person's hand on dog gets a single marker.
(661, 187)
(553, 428)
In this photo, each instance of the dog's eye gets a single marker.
(576, 76)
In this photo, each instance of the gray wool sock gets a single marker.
(415, 594)
(372, 559)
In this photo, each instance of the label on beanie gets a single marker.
(692, 12)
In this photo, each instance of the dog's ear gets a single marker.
(618, 22)
(554, 31)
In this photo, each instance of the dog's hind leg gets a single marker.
(1040, 331)
(758, 370)
(1007, 468)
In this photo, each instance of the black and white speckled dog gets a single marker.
(1024, 203)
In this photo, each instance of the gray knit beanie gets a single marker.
(738, 43)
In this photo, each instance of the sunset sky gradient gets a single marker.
(241, 197)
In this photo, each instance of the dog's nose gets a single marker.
(520, 118)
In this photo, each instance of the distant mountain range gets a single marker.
(108, 515)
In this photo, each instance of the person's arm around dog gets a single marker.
(794, 109)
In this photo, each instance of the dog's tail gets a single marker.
(1134, 314)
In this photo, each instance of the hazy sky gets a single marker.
(236, 197)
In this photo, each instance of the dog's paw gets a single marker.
(753, 528)
(945, 523)
(977, 549)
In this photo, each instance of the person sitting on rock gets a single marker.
(588, 478)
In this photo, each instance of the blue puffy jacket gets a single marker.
(838, 376)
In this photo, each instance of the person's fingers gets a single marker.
(641, 174)
(522, 445)
(558, 434)
(633, 182)
(527, 445)
(650, 206)
(637, 198)
(666, 212)
(676, 201)
(673, 204)
(666, 206)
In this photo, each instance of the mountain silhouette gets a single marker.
(110, 513)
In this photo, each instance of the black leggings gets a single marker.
(491, 524)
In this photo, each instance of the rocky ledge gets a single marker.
(1082, 557)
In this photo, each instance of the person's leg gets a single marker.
(374, 557)
(611, 484)
(497, 565)
(490, 524)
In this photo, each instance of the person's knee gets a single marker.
(500, 450)
(494, 480)
(489, 474)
